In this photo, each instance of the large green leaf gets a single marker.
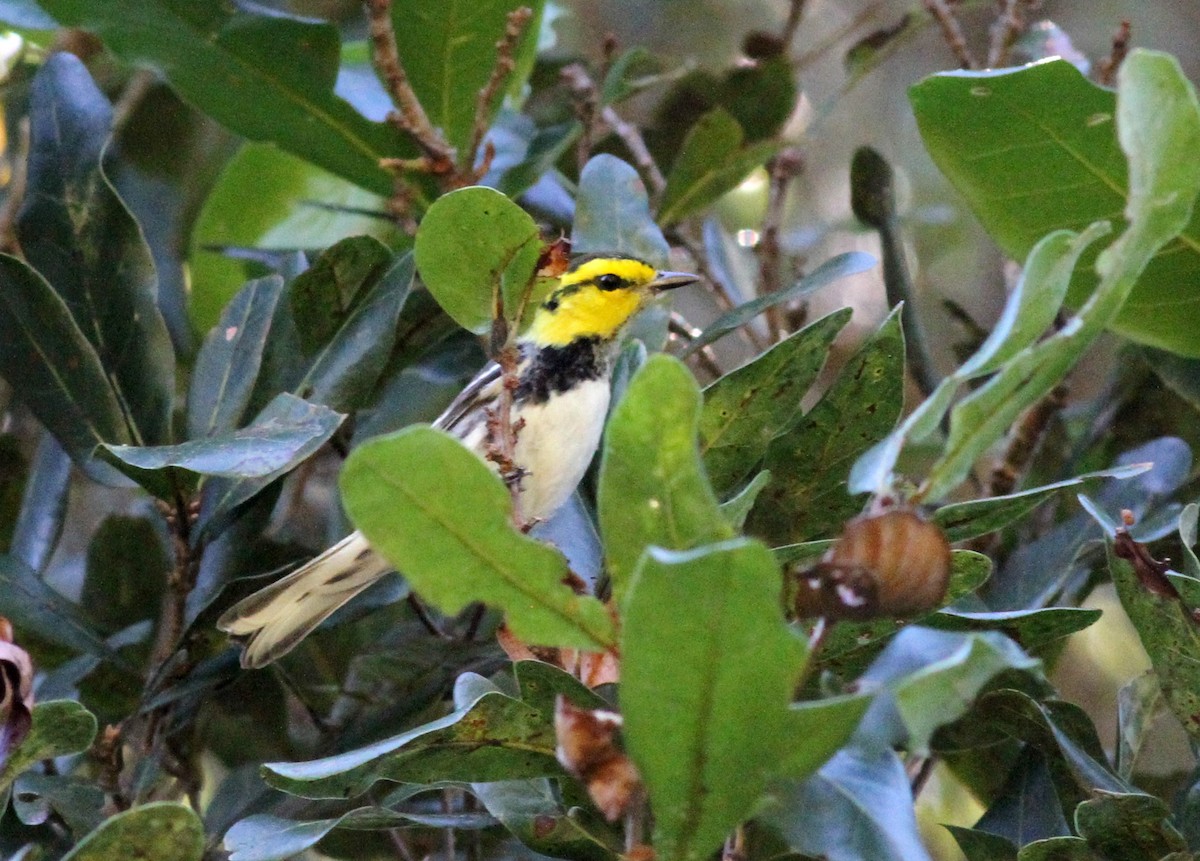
(163, 830)
(473, 246)
(711, 161)
(268, 78)
(747, 408)
(652, 487)
(816, 730)
(448, 48)
(51, 366)
(612, 213)
(810, 463)
(1128, 826)
(1158, 123)
(78, 234)
(295, 205)
(59, 728)
(1070, 171)
(707, 672)
(227, 364)
(438, 513)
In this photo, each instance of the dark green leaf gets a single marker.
(14, 473)
(711, 161)
(60, 727)
(816, 730)
(747, 408)
(442, 517)
(858, 806)
(1138, 703)
(1057, 849)
(1031, 628)
(473, 245)
(323, 296)
(30, 604)
(163, 830)
(982, 845)
(706, 676)
(810, 463)
(268, 78)
(1128, 827)
(449, 50)
(1063, 125)
(44, 506)
(837, 267)
(47, 360)
(227, 364)
(78, 234)
(736, 509)
(612, 213)
(127, 570)
(1169, 633)
(533, 811)
(542, 153)
(652, 488)
(489, 737)
(285, 433)
(964, 520)
(1181, 375)
(1027, 808)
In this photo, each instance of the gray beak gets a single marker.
(671, 280)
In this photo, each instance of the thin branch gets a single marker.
(631, 136)
(795, 13)
(951, 32)
(517, 22)
(1023, 443)
(586, 101)
(784, 168)
(1111, 63)
(1008, 25)
(411, 116)
(705, 356)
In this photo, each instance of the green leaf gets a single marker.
(323, 296)
(534, 812)
(474, 245)
(44, 504)
(807, 496)
(295, 205)
(818, 729)
(736, 509)
(1031, 628)
(47, 360)
(931, 678)
(1025, 808)
(126, 572)
(747, 408)
(652, 489)
(286, 432)
(163, 830)
(711, 161)
(227, 364)
(32, 605)
(60, 727)
(831, 270)
(1056, 849)
(449, 50)
(1138, 703)
(1045, 277)
(80, 804)
(982, 845)
(1170, 636)
(267, 78)
(78, 234)
(1128, 826)
(490, 736)
(707, 672)
(436, 512)
(857, 806)
(1071, 171)
(964, 520)
(612, 213)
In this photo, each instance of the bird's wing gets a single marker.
(482, 389)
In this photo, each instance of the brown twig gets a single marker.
(503, 431)
(1120, 47)
(1008, 25)
(951, 32)
(410, 116)
(1023, 443)
(705, 357)
(516, 24)
(631, 136)
(792, 24)
(585, 101)
(784, 168)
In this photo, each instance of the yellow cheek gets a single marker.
(587, 313)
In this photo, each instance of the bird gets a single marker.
(559, 407)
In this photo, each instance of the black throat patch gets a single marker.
(555, 369)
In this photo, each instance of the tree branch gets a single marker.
(517, 22)
(951, 32)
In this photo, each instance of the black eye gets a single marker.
(610, 282)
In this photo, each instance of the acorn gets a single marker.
(894, 564)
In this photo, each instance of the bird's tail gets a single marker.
(274, 619)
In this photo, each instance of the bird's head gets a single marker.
(597, 296)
